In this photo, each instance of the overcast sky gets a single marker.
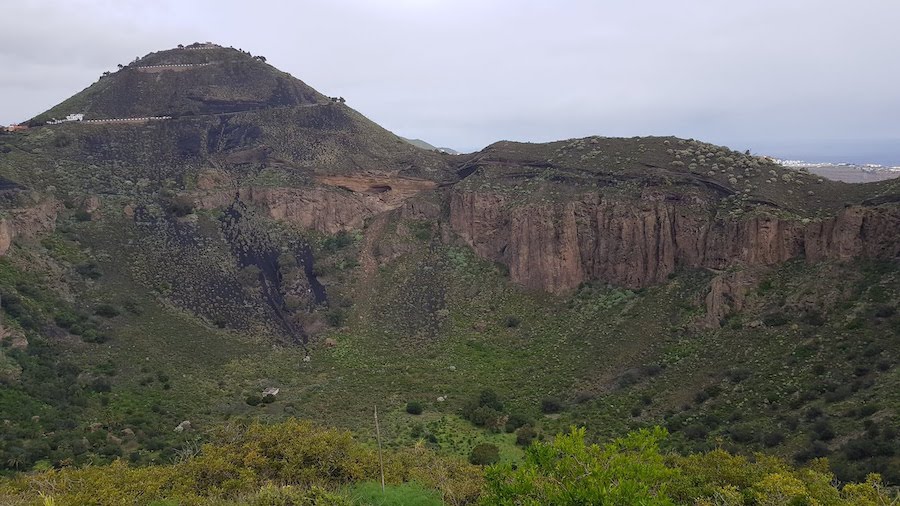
(811, 78)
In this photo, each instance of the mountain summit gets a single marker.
(190, 80)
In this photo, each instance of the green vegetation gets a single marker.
(247, 464)
(633, 470)
(180, 299)
(296, 462)
(484, 454)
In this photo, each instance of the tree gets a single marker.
(568, 471)
(484, 454)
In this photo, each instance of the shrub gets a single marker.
(486, 416)
(484, 454)
(92, 336)
(695, 431)
(885, 311)
(512, 321)
(414, 407)
(180, 206)
(89, 270)
(515, 421)
(253, 400)
(813, 413)
(551, 405)
(101, 385)
(868, 410)
(741, 434)
(774, 319)
(813, 317)
(335, 317)
(525, 435)
(773, 439)
(106, 311)
(821, 430)
(738, 374)
(338, 241)
(838, 394)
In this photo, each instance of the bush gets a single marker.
(868, 410)
(101, 385)
(773, 439)
(180, 206)
(484, 454)
(813, 317)
(525, 435)
(775, 319)
(695, 431)
(821, 430)
(551, 405)
(738, 374)
(512, 321)
(515, 421)
(106, 311)
(253, 400)
(701, 397)
(741, 434)
(885, 311)
(335, 317)
(414, 407)
(89, 270)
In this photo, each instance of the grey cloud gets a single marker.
(465, 73)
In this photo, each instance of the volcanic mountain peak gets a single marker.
(194, 80)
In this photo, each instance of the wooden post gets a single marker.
(378, 436)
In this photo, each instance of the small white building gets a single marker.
(75, 117)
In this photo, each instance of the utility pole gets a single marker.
(378, 437)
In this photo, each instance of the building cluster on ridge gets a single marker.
(71, 117)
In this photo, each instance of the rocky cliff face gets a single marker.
(27, 222)
(634, 243)
(337, 203)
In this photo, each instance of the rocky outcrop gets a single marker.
(323, 209)
(554, 246)
(727, 295)
(27, 223)
(337, 203)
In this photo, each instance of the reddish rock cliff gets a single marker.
(28, 223)
(554, 246)
(338, 203)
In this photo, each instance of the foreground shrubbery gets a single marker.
(246, 462)
(632, 470)
(296, 463)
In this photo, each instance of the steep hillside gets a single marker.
(632, 211)
(158, 271)
(187, 82)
